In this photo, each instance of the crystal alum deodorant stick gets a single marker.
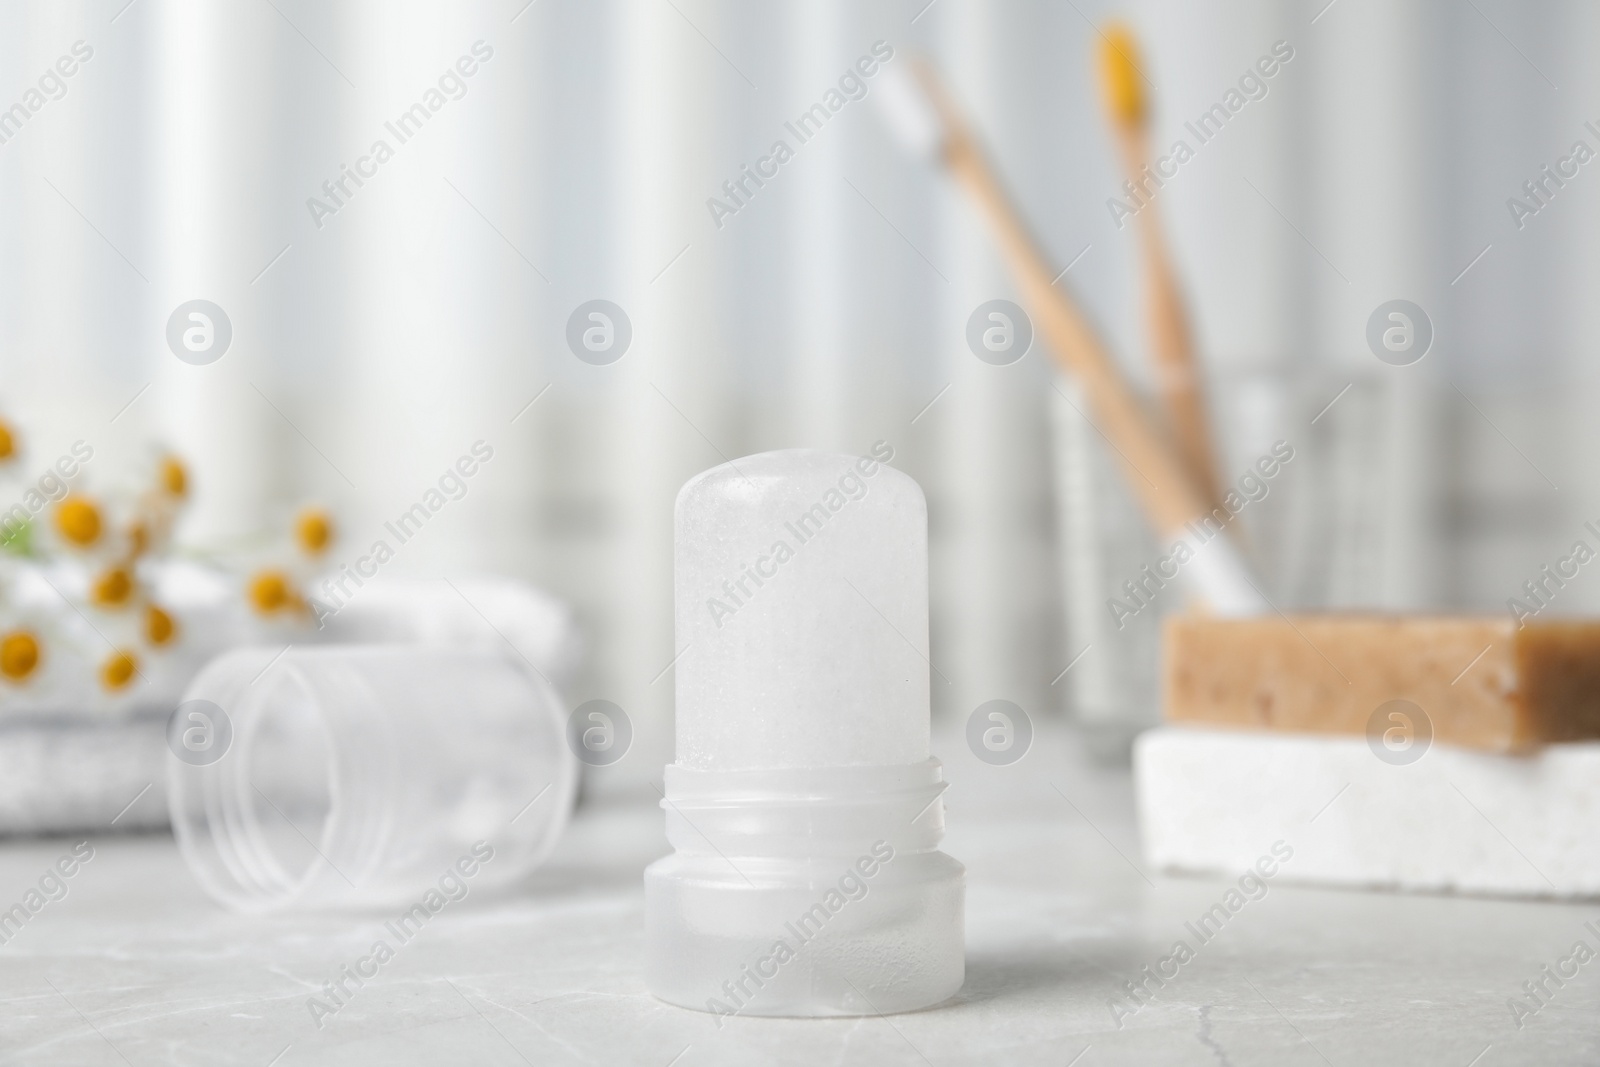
(803, 808)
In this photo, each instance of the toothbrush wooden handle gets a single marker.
(1157, 473)
(1178, 380)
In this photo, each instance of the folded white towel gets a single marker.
(64, 769)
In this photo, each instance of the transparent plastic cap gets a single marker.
(359, 775)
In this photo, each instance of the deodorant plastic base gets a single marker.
(805, 906)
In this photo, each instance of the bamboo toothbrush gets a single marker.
(1178, 379)
(1273, 672)
(923, 117)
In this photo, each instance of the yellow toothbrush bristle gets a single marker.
(1120, 79)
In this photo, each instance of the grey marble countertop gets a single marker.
(135, 966)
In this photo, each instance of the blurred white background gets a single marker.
(428, 312)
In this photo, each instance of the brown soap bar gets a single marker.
(1483, 681)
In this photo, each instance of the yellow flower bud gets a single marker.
(112, 589)
(138, 538)
(313, 530)
(159, 628)
(78, 520)
(118, 670)
(174, 476)
(19, 655)
(270, 592)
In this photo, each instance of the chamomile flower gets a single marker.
(20, 654)
(277, 589)
(118, 670)
(113, 588)
(160, 629)
(271, 592)
(313, 531)
(78, 520)
(173, 478)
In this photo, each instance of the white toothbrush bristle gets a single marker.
(910, 115)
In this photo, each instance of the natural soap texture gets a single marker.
(802, 613)
(1483, 681)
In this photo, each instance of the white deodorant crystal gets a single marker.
(802, 613)
(803, 809)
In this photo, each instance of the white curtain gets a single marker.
(374, 344)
